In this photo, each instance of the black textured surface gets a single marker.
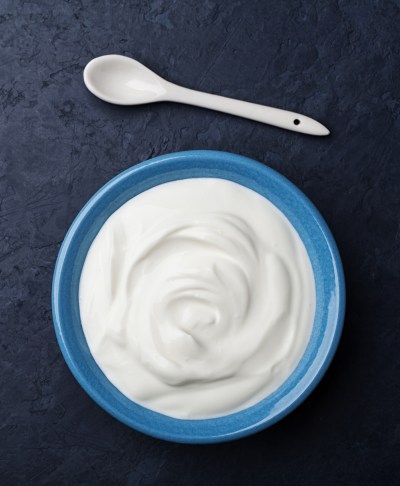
(338, 62)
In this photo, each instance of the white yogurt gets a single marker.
(197, 298)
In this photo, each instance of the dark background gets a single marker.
(336, 61)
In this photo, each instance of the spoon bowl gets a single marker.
(123, 81)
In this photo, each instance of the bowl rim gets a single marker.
(178, 432)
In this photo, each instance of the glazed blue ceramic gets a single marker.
(328, 273)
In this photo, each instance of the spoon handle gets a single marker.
(264, 114)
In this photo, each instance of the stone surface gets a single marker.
(336, 61)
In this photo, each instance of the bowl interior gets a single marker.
(325, 262)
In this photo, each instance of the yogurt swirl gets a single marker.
(197, 298)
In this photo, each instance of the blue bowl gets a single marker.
(325, 260)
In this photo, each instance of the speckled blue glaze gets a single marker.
(325, 261)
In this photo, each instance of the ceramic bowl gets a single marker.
(326, 264)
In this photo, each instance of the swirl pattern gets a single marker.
(189, 307)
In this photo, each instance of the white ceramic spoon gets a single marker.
(124, 81)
